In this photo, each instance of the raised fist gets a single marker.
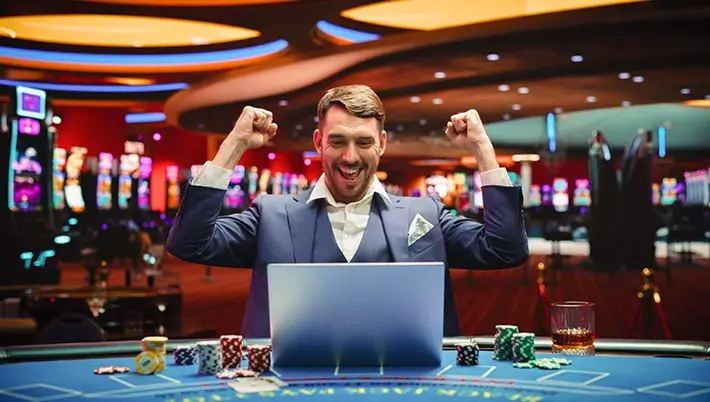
(466, 129)
(254, 127)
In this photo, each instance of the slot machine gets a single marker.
(72, 185)
(706, 197)
(172, 190)
(293, 185)
(546, 195)
(582, 196)
(104, 200)
(535, 196)
(145, 169)
(234, 198)
(27, 151)
(277, 183)
(560, 194)
(127, 168)
(669, 190)
(253, 184)
(655, 194)
(59, 161)
(477, 191)
(302, 183)
(264, 181)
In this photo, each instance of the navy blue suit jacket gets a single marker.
(280, 229)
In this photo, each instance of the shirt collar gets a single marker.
(321, 191)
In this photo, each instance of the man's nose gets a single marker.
(351, 156)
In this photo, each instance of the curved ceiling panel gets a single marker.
(429, 15)
(50, 86)
(189, 3)
(127, 63)
(120, 30)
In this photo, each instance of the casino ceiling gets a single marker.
(614, 65)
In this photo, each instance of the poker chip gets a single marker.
(185, 355)
(158, 344)
(503, 342)
(149, 363)
(228, 374)
(209, 357)
(523, 365)
(523, 347)
(231, 349)
(544, 364)
(467, 354)
(259, 358)
(111, 370)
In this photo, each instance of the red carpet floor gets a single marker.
(497, 297)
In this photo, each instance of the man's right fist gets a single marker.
(254, 127)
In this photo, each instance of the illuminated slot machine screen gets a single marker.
(707, 188)
(655, 194)
(59, 161)
(560, 194)
(582, 195)
(302, 183)
(31, 103)
(72, 185)
(127, 167)
(546, 195)
(27, 169)
(253, 184)
(669, 190)
(234, 199)
(172, 187)
(145, 169)
(104, 200)
(535, 196)
(277, 183)
(264, 181)
(690, 188)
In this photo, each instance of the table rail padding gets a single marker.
(16, 354)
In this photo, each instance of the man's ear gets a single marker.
(318, 140)
(383, 141)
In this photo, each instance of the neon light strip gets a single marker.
(49, 86)
(132, 118)
(345, 34)
(11, 168)
(662, 142)
(551, 132)
(48, 56)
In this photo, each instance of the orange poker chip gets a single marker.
(111, 370)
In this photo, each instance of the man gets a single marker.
(347, 216)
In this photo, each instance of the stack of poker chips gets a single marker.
(259, 358)
(210, 358)
(467, 354)
(152, 358)
(523, 347)
(503, 342)
(185, 355)
(231, 347)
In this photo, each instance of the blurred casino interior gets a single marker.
(599, 110)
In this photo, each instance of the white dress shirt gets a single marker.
(348, 220)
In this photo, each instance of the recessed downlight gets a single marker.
(506, 116)
(625, 103)
(523, 90)
(493, 57)
(591, 99)
(437, 101)
(685, 91)
(283, 102)
(516, 107)
(504, 87)
(577, 58)
(558, 110)
(415, 99)
(439, 74)
(637, 79)
(624, 76)
(422, 122)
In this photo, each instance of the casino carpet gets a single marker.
(490, 298)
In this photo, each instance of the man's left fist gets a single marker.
(466, 129)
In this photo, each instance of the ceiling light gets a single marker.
(415, 99)
(558, 110)
(638, 78)
(707, 96)
(422, 122)
(516, 107)
(283, 102)
(503, 87)
(591, 99)
(624, 76)
(493, 57)
(315, 119)
(196, 40)
(577, 58)
(437, 101)
(506, 116)
(299, 126)
(523, 90)
(439, 74)
(685, 91)
(625, 103)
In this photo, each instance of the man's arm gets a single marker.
(199, 235)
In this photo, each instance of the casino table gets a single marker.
(622, 370)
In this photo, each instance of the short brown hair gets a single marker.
(359, 100)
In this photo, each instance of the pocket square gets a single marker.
(418, 228)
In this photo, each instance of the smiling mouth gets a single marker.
(350, 174)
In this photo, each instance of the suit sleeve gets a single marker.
(499, 242)
(199, 235)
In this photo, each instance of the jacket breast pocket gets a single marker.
(425, 242)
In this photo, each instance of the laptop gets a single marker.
(372, 314)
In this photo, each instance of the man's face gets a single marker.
(350, 149)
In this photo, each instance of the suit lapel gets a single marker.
(395, 220)
(302, 223)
